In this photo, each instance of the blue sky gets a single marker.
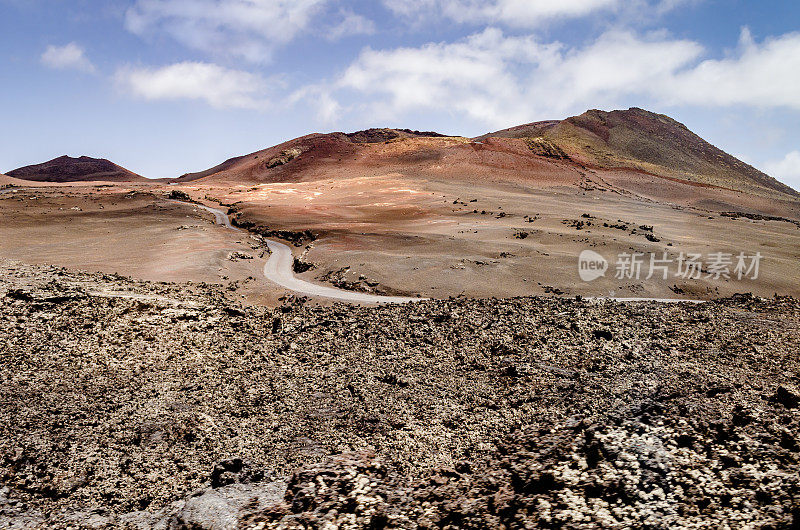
(163, 87)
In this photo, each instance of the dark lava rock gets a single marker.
(787, 397)
(177, 195)
(603, 334)
(235, 471)
(503, 414)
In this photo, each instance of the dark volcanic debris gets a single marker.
(138, 404)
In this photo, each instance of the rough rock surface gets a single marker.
(143, 404)
(284, 157)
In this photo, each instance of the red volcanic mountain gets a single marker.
(630, 142)
(640, 140)
(364, 154)
(310, 157)
(68, 169)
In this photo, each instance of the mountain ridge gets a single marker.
(637, 140)
(627, 140)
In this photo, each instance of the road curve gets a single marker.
(279, 270)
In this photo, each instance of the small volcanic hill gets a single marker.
(645, 141)
(634, 142)
(69, 169)
(311, 155)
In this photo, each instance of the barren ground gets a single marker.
(441, 239)
(454, 414)
(187, 391)
(411, 236)
(130, 231)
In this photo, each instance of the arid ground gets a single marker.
(421, 214)
(137, 405)
(402, 235)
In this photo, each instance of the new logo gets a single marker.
(591, 265)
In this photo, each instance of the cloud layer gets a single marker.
(498, 79)
(519, 13)
(787, 169)
(247, 29)
(68, 57)
(219, 87)
(760, 75)
(523, 13)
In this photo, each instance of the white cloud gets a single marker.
(68, 57)
(786, 170)
(501, 80)
(218, 86)
(320, 98)
(520, 13)
(250, 29)
(765, 75)
(351, 24)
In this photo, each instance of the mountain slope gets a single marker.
(311, 156)
(645, 141)
(632, 141)
(384, 151)
(5, 180)
(69, 169)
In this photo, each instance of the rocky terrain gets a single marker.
(136, 404)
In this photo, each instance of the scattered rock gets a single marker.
(788, 397)
(236, 256)
(299, 266)
(177, 195)
(603, 334)
(235, 471)
(284, 157)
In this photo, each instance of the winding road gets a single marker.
(278, 270)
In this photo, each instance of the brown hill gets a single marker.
(367, 153)
(309, 154)
(632, 142)
(641, 140)
(68, 169)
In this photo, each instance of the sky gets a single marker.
(165, 87)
